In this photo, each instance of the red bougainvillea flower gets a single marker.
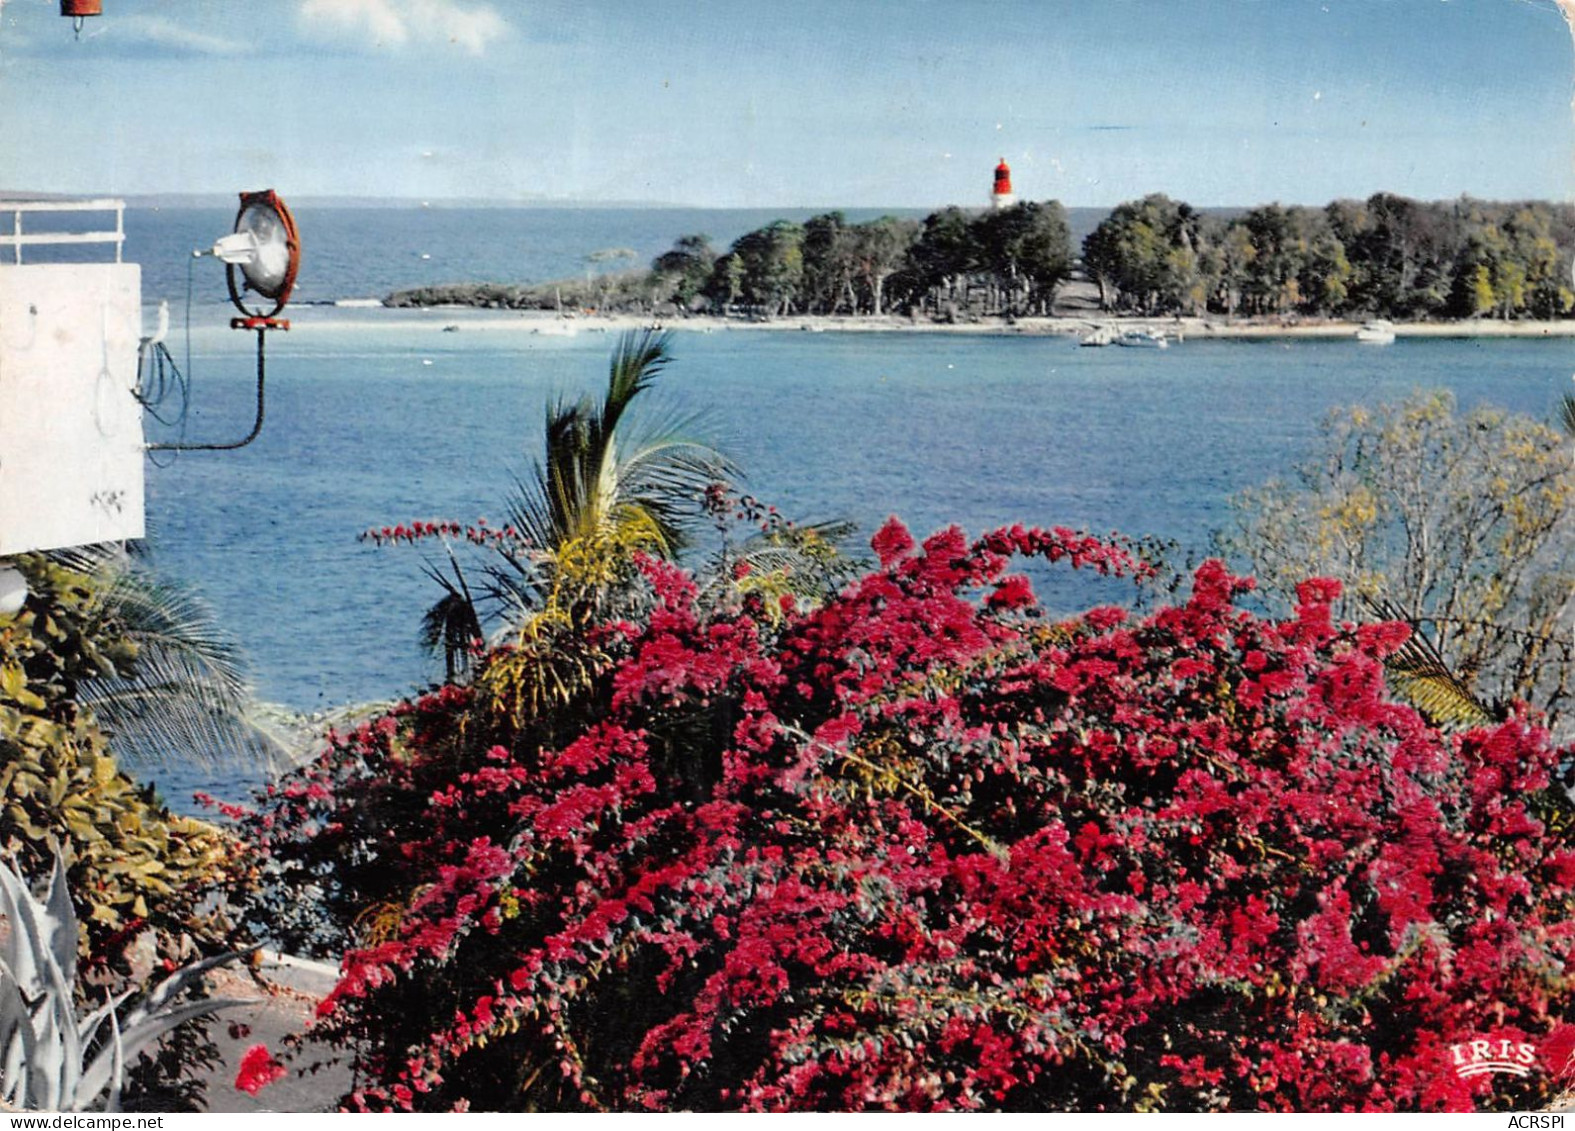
(258, 1070)
(919, 845)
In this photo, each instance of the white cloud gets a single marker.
(155, 31)
(399, 23)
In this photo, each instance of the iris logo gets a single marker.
(1484, 1057)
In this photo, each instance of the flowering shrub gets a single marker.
(919, 847)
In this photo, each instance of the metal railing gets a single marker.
(17, 239)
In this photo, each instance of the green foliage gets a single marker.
(600, 472)
(682, 271)
(610, 485)
(140, 876)
(771, 267)
(1457, 523)
(131, 861)
(1387, 256)
(1133, 255)
(1027, 249)
(185, 696)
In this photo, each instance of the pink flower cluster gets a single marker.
(478, 533)
(919, 848)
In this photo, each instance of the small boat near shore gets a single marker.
(1376, 333)
(1099, 336)
(1143, 339)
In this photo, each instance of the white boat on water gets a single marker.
(1143, 339)
(1376, 333)
(1099, 336)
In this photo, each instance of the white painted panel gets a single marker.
(70, 428)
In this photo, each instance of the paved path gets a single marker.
(294, 988)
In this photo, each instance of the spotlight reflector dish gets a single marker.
(262, 255)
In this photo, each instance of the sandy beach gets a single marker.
(458, 319)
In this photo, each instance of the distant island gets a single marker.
(1387, 257)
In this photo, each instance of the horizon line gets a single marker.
(216, 198)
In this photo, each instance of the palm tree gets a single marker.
(185, 696)
(605, 477)
(608, 486)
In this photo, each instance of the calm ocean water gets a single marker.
(351, 253)
(380, 417)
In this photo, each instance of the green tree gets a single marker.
(1042, 246)
(726, 283)
(879, 249)
(772, 261)
(829, 263)
(1130, 255)
(683, 270)
(183, 694)
(608, 486)
(944, 256)
(1459, 523)
(604, 476)
(1403, 253)
(1325, 282)
(1279, 259)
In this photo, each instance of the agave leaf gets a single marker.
(27, 943)
(174, 985)
(20, 1045)
(89, 1026)
(42, 1043)
(142, 1034)
(63, 922)
(117, 1067)
(37, 931)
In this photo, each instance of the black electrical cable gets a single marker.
(262, 334)
(181, 445)
(158, 380)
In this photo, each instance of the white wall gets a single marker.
(70, 429)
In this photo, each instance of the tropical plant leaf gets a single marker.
(187, 695)
(606, 479)
(1418, 674)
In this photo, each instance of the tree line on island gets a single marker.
(1388, 256)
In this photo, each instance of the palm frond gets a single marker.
(452, 626)
(637, 361)
(1418, 673)
(1567, 413)
(187, 696)
(597, 462)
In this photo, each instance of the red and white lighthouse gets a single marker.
(1001, 195)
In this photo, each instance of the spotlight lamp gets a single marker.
(261, 257)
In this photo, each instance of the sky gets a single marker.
(792, 103)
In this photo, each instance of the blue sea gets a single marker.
(377, 417)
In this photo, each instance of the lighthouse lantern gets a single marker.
(1001, 195)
